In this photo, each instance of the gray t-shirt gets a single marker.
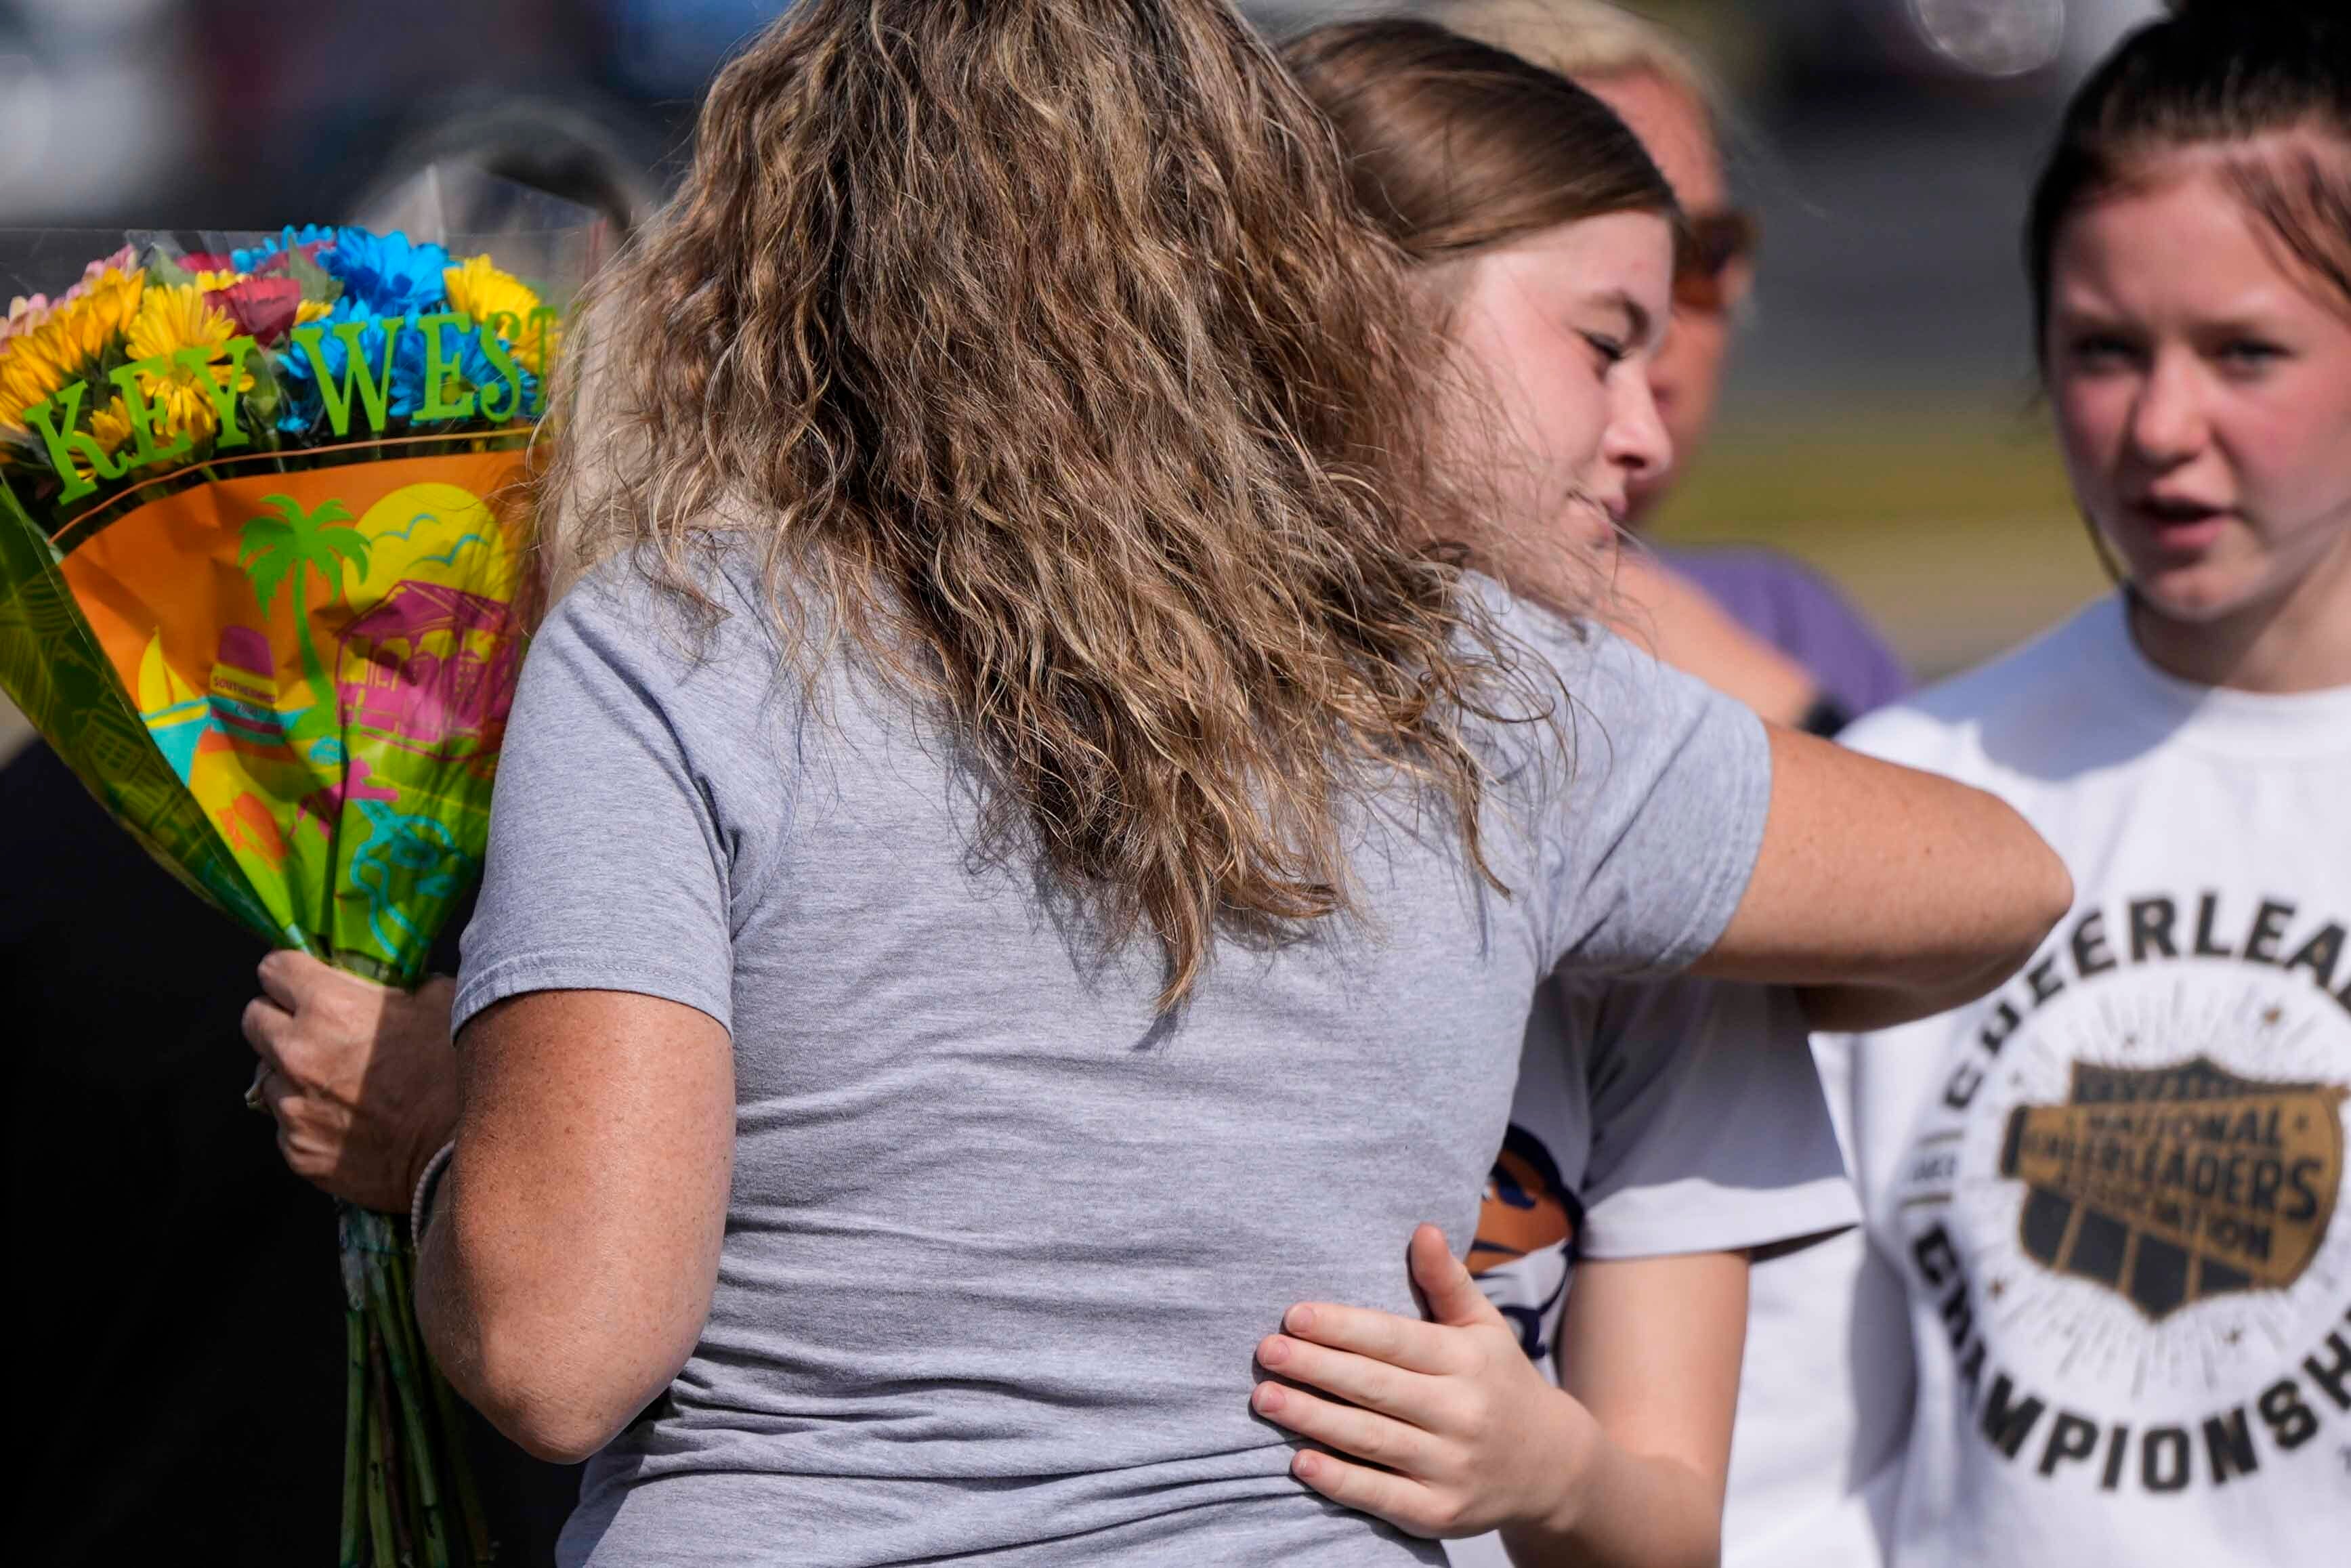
(1001, 1242)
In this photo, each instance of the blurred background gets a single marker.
(1881, 419)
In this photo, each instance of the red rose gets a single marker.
(264, 307)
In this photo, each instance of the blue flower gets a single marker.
(385, 273)
(477, 375)
(465, 367)
(298, 378)
(250, 258)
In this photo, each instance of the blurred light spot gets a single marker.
(98, 18)
(25, 113)
(1993, 38)
(131, 123)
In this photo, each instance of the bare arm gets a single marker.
(567, 1268)
(1649, 1351)
(1676, 622)
(1885, 892)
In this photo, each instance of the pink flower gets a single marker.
(120, 261)
(28, 311)
(25, 313)
(207, 261)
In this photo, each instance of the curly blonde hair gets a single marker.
(1042, 342)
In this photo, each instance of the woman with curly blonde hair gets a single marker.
(1022, 854)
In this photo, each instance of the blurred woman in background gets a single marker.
(1751, 622)
(2104, 1291)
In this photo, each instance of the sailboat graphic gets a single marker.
(175, 713)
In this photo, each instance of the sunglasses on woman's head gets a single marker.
(1712, 242)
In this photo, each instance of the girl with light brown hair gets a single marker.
(1659, 1130)
(1025, 852)
(1754, 622)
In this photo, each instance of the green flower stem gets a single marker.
(399, 1481)
(454, 1434)
(354, 1435)
(403, 1364)
(379, 1501)
(412, 1516)
(417, 1467)
(461, 1471)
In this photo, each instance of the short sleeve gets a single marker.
(1709, 1130)
(1646, 851)
(609, 866)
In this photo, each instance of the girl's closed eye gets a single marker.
(1610, 352)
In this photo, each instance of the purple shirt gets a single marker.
(1800, 612)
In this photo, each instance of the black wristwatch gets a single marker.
(1825, 717)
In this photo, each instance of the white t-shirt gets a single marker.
(1650, 1120)
(2108, 1196)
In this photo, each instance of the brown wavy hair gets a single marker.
(2223, 75)
(1457, 147)
(1040, 342)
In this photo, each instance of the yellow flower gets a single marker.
(110, 426)
(66, 345)
(173, 318)
(310, 310)
(31, 369)
(478, 289)
(210, 281)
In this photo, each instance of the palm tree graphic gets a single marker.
(283, 549)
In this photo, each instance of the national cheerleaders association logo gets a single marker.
(2125, 1205)
(2172, 1185)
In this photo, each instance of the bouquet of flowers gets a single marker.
(260, 553)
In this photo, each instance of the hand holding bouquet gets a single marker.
(261, 547)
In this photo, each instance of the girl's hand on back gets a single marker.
(1461, 1432)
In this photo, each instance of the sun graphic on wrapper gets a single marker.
(437, 532)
